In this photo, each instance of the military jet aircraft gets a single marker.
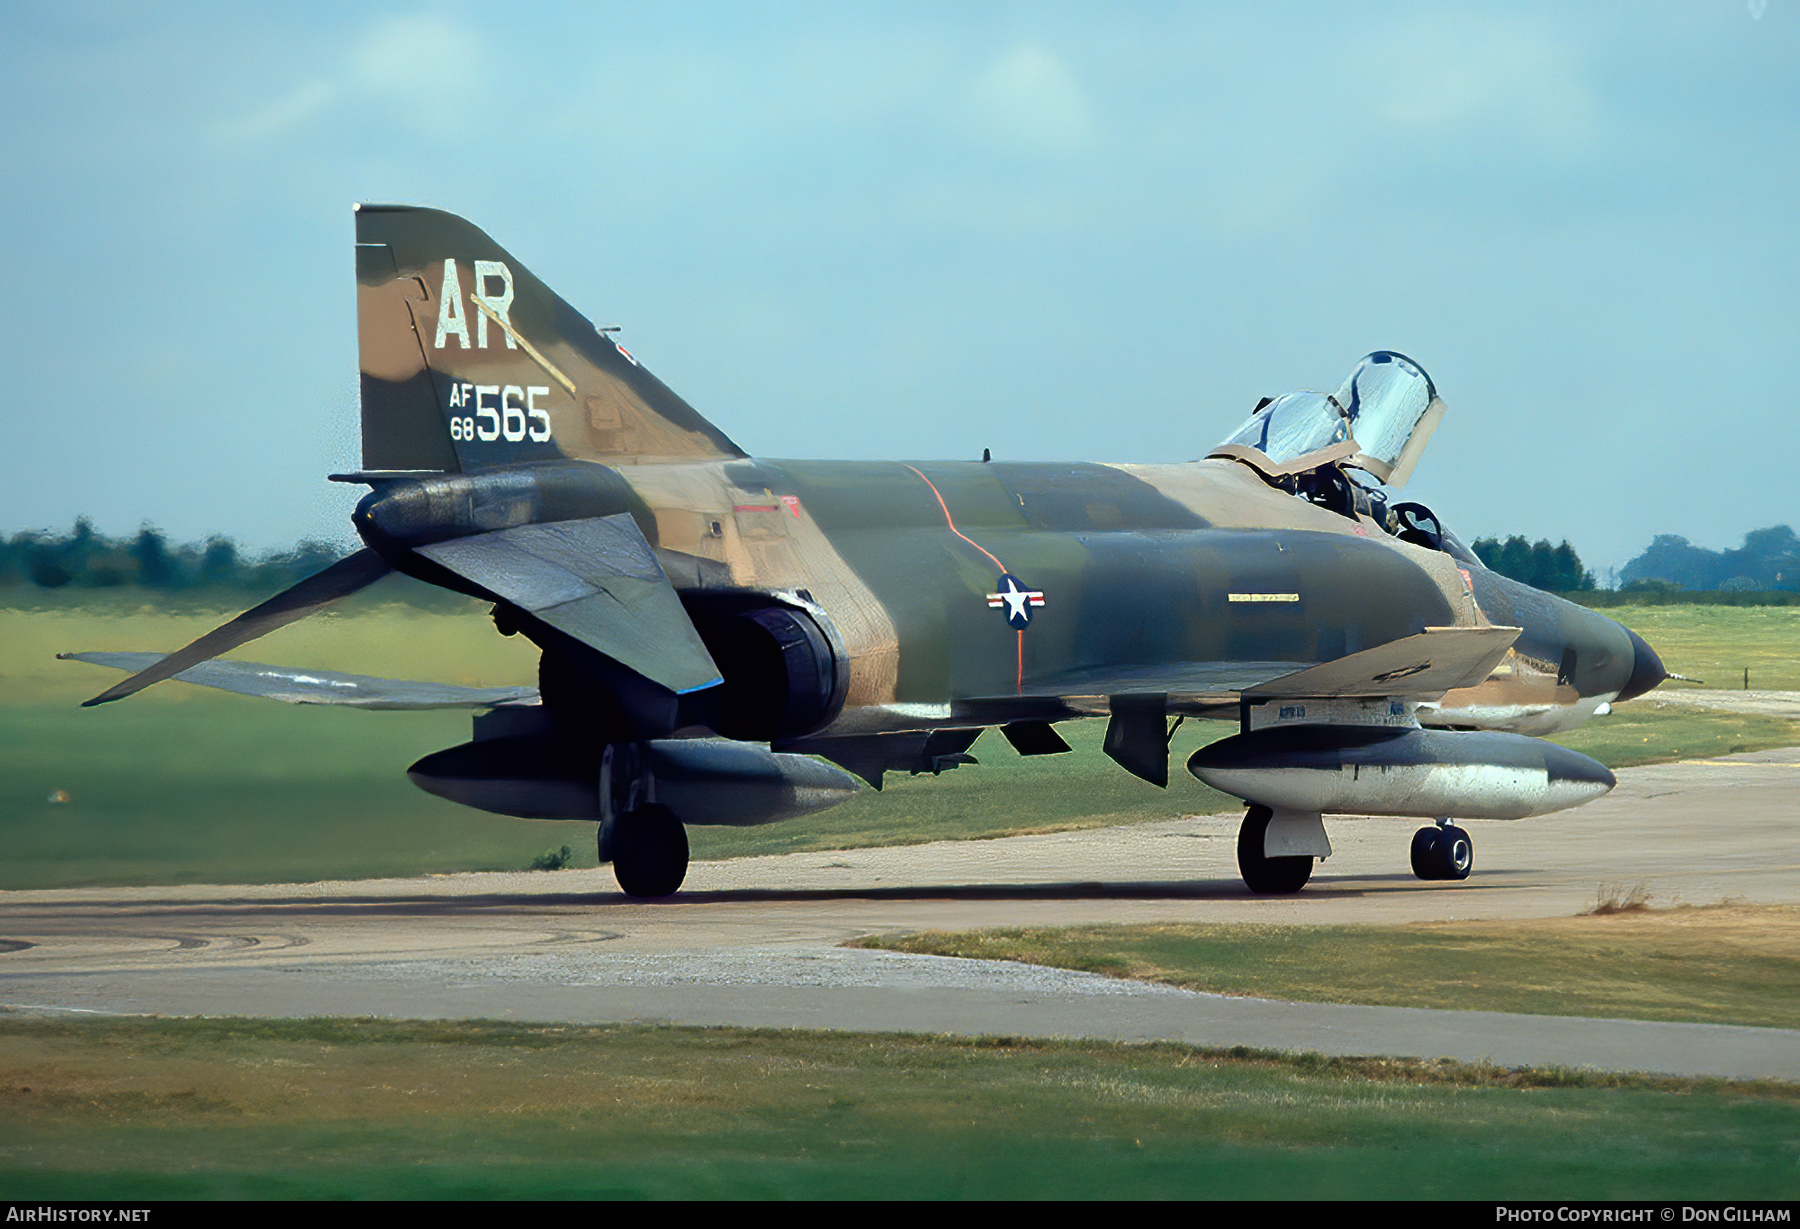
(727, 640)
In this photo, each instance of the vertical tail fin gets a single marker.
(469, 361)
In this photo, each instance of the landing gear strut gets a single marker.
(1264, 875)
(643, 839)
(1443, 852)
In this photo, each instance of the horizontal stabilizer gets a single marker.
(596, 580)
(1426, 665)
(295, 686)
(340, 580)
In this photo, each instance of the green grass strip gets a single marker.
(124, 1109)
(1718, 965)
(1642, 733)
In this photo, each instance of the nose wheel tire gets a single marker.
(649, 852)
(1264, 875)
(1442, 853)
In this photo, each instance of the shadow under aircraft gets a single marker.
(728, 640)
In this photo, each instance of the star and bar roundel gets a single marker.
(1016, 600)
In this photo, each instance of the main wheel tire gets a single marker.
(650, 852)
(1425, 861)
(1264, 875)
(1456, 853)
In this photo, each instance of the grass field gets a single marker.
(1718, 643)
(160, 1109)
(182, 784)
(1727, 964)
(1641, 733)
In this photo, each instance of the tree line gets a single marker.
(1555, 569)
(84, 558)
(1767, 563)
(1768, 559)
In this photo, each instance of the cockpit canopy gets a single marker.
(1292, 434)
(1379, 421)
(1346, 451)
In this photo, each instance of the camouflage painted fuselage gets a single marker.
(1192, 581)
(1195, 580)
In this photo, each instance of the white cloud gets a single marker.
(426, 71)
(295, 107)
(1028, 100)
(432, 70)
(1493, 76)
(416, 57)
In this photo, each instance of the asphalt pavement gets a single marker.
(757, 941)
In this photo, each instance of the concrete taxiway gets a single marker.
(756, 941)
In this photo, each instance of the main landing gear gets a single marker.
(1440, 852)
(1264, 875)
(1443, 852)
(644, 840)
(649, 852)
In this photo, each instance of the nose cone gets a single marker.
(1646, 668)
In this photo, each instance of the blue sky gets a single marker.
(1058, 231)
